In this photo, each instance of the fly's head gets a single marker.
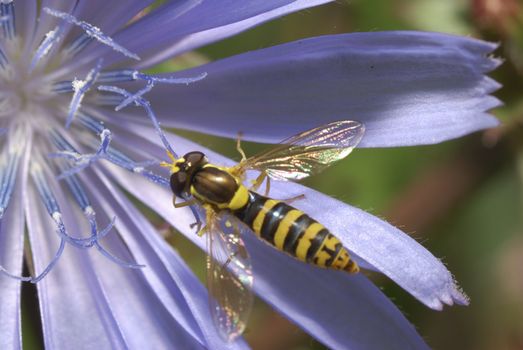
(182, 171)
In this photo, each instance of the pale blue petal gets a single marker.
(180, 26)
(88, 301)
(408, 88)
(72, 307)
(12, 228)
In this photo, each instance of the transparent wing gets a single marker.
(229, 278)
(309, 152)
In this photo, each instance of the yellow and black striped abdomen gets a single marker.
(294, 232)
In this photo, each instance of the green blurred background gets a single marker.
(461, 199)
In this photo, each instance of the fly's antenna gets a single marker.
(172, 165)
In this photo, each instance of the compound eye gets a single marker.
(178, 182)
(194, 158)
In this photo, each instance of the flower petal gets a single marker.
(81, 299)
(408, 88)
(69, 304)
(180, 26)
(11, 253)
(342, 311)
(12, 227)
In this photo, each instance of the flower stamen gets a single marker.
(80, 88)
(123, 75)
(51, 38)
(116, 157)
(62, 87)
(139, 101)
(92, 31)
(44, 273)
(82, 200)
(80, 161)
(132, 98)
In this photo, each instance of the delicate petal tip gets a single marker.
(459, 297)
(453, 295)
(490, 85)
(492, 63)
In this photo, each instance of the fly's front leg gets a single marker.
(239, 147)
(191, 203)
(198, 222)
(187, 203)
(210, 217)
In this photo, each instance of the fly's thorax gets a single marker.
(216, 185)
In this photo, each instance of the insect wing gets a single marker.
(308, 152)
(229, 279)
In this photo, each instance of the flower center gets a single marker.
(21, 88)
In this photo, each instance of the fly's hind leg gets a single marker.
(293, 199)
(256, 183)
(198, 222)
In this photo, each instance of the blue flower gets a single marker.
(61, 70)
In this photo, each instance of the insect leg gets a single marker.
(259, 181)
(198, 222)
(239, 148)
(210, 217)
(292, 199)
(184, 204)
(268, 186)
(256, 183)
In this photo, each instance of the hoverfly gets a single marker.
(228, 202)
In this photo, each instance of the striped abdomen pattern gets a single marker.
(294, 232)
